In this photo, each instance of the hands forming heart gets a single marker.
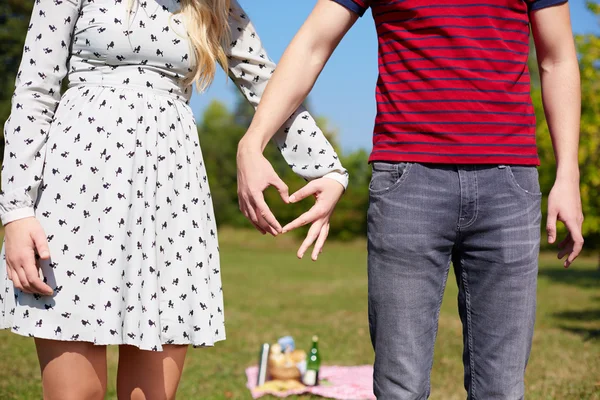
(255, 175)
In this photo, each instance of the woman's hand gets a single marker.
(23, 238)
(255, 174)
(327, 193)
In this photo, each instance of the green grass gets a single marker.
(269, 294)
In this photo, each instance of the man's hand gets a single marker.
(327, 192)
(564, 204)
(23, 238)
(255, 174)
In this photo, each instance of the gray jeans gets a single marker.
(485, 220)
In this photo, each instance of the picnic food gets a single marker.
(280, 386)
(283, 365)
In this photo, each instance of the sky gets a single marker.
(345, 91)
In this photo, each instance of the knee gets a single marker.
(82, 392)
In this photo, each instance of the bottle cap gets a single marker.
(315, 338)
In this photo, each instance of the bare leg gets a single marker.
(72, 370)
(149, 375)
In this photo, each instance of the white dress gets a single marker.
(114, 173)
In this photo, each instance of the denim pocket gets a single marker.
(387, 176)
(525, 179)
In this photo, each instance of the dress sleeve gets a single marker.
(300, 141)
(36, 96)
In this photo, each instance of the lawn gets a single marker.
(269, 294)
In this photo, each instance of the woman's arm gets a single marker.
(559, 73)
(37, 93)
(298, 138)
(36, 96)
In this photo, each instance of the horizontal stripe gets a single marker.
(455, 155)
(450, 90)
(453, 37)
(387, 133)
(450, 6)
(425, 58)
(455, 144)
(457, 112)
(449, 16)
(455, 79)
(454, 48)
(525, 33)
(455, 123)
(412, 70)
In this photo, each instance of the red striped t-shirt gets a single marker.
(453, 83)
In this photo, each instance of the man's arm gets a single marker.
(310, 156)
(293, 79)
(298, 70)
(559, 72)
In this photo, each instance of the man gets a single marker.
(454, 175)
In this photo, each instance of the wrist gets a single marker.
(251, 144)
(568, 172)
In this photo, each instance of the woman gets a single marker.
(106, 188)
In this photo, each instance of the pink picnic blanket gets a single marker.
(345, 383)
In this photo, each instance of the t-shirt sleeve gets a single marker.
(357, 6)
(539, 4)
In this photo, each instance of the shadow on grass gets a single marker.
(571, 321)
(586, 333)
(584, 278)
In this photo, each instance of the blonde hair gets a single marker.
(207, 25)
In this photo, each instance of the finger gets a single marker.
(20, 272)
(8, 270)
(568, 248)
(565, 242)
(36, 285)
(310, 189)
(313, 232)
(320, 241)
(254, 219)
(263, 210)
(575, 231)
(310, 216)
(551, 226)
(282, 188)
(41, 244)
(16, 281)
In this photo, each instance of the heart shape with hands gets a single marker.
(251, 186)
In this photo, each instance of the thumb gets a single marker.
(41, 244)
(551, 226)
(281, 187)
(310, 189)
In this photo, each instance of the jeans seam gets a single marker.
(476, 207)
(469, 331)
(437, 316)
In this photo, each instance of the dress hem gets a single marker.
(117, 342)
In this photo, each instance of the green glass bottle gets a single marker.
(311, 376)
